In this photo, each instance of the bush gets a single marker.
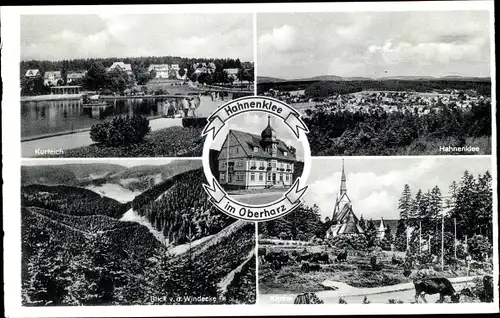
(479, 246)
(358, 243)
(197, 122)
(121, 131)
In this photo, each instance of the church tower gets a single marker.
(344, 221)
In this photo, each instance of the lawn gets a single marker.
(168, 142)
(356, 272)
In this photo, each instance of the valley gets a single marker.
(90, 238)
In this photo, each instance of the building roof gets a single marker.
(76, 75)
(159, 67)
(231, 70)
(123, 66)
(33, 72)
(392, 223)
(54, 73)
(248, 141)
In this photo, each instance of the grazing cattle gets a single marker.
(342, 257)
(431, 286)
(487, 295)
(307, 267)
(304, 257)
(396, 261)
(307, 298)
(277, 259)
(320, 257)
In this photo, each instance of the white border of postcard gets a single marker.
(10, 19)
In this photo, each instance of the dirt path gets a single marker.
(224, 283)
(404, 292)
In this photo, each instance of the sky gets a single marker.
(57, 37)
(126, 162)
(374, 185)
(255, 123)
(373, 44)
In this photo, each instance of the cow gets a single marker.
(396, 261)
(431, 286)
(306, 267)
(342, 257)
(277, 259)
(487, 294)
(320, 257)
(307, 298)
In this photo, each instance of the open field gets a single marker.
(355, 272)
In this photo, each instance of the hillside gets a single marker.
(76, 252)
(68, 174)
(179, 206)
(137, 178)
(70, 200)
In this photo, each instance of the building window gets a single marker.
(252, 163)
(262, 164)
(252, 176)
(273, 163)
(268, 177)
(239, 176)
(236, 150)
(285, 153)
(281, 177)
(261, 177)
(286, 177)
(255, 149)
(241, 163)
(222, 176)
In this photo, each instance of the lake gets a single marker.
(48, 117)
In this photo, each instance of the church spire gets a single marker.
(343, 181)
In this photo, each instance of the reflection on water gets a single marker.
(43, 117)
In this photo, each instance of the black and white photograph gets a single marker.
(382, 83)
(256, 158)
(398, 230)
(225, 159)
(135, 232)
(114, 85)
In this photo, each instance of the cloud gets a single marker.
(111, 35)
(370, 43)
(281, 39)
(375, 185)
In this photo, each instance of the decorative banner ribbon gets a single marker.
(289, 115)
(289, 200)
(265, 212)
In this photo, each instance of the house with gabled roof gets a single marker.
(32, 73)
(51, 78)
(249, 161)
(344, 220)
(127, 68)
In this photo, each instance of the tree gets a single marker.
(400, 238)
(362, 222)
(181, 72)
(96, 77)
(405, 203)
(371, 233)
(478, 247)
(414, 215)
